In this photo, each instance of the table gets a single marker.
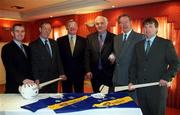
(10, 104)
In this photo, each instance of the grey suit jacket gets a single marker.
(44, 67)
(123, 55)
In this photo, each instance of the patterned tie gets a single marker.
(72, 44)
(47, 47)
(100, 42)
(147, 46)
(23, 50)
(100, 46)
(124, 39)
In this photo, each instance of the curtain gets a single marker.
(167, 30)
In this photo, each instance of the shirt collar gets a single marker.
(17, 42)
(151, 39)
(103, 35)
(43, 39)
(127, 33)
(69, 35)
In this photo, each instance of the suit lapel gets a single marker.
(52, 48)
(76, 47)
(43, 48)
(18, 49)
(130, 39)
(67, 45)
(126, 46)
(106, 41)
(96, 42)
(117, 45)
(142, 48)
(153, 47)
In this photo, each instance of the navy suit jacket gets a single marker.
(93, 54)
(16, 64)
(73, 64)
(45, 67)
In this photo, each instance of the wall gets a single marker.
(171, 9)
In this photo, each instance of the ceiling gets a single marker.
(38, 9)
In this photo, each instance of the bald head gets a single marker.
(101, 23)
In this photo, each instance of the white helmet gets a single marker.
(29, 91)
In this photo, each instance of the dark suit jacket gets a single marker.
(17, 66)
(123, 54)
(44, 67)
(160, 63)
(73, 64)
(93, 54)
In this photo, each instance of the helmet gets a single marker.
(29, 91)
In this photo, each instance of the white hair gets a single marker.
(104, 18)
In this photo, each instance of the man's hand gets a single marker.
(112, 58)
(88, 75)
(63, 77)
(163, 83)
(130, 87)
(28, 81)
(37, 82)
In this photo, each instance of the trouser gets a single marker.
(152, 100)
(69, 85)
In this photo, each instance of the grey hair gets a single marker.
(105, 19)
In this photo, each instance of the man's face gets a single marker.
(150, 30)
(18, 33)
(45, 30)
(72, 28)
(101, 25)
(125, 24)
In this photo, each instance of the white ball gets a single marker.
(29, 91)
(112, 57)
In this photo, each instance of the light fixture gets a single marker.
(6, 28)
(17, 7)
(113, 6)
(90, 24)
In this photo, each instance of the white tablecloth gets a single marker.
(10, 104)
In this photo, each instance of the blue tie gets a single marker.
(124, 39)
(147, 46)
(47, 47)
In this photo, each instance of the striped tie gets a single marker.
(47, 47)
(23, 50)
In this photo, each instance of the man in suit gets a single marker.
(99, 47)
(45, 59)
(123, 49)
(72, 50)
(15, 57)
(154, 59)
